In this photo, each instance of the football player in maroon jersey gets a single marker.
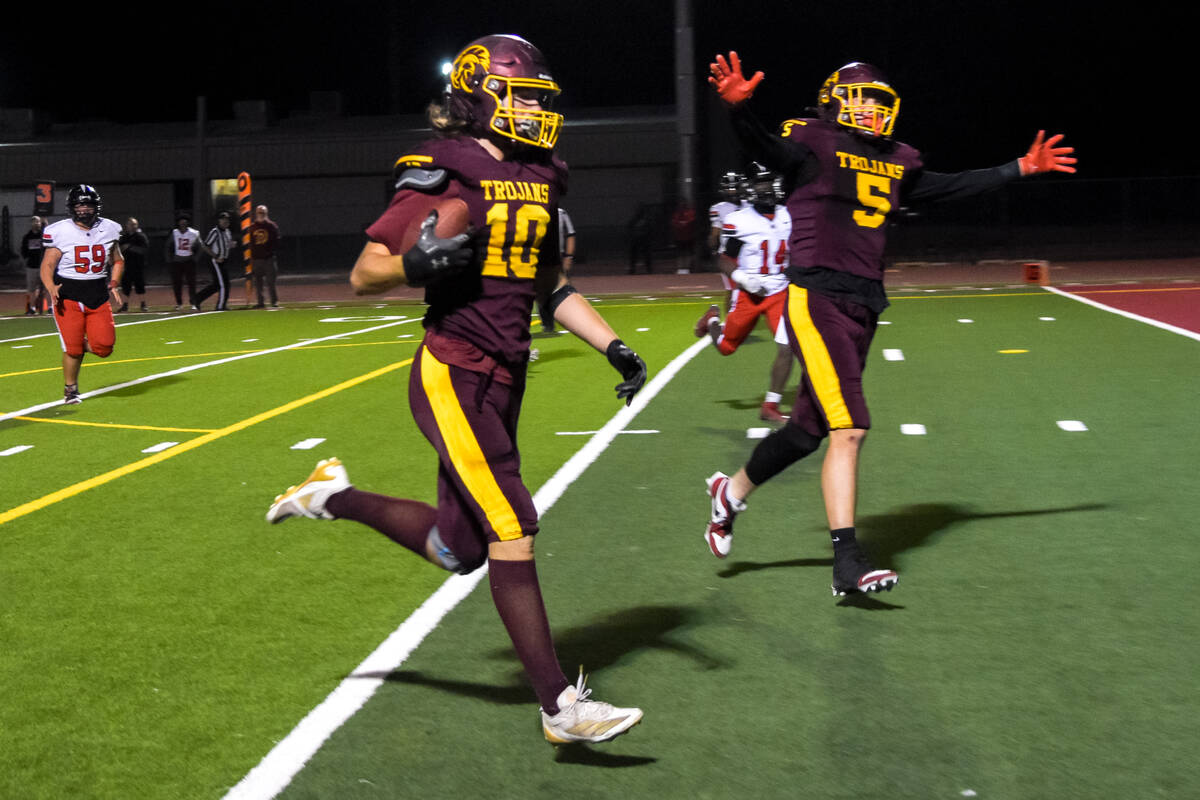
(847, 176)
(495, 153)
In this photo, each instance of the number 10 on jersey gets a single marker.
(515, 240)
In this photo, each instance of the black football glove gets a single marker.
(631, 367)
(431, 258)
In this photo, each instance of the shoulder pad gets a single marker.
(422, 180)
(785, 127)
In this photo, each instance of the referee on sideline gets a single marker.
(566, 252)
(218, 244)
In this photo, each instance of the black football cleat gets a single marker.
(852, 574)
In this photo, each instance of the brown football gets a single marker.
(454, 217)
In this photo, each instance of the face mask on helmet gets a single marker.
(763, 188)
(859, 97)
(731, 184)
(83, 203)
(501, 85)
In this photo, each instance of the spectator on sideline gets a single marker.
(181, 259)
(566, 252)
(641, 229)
(264, 241)
(134, 245)
(31, 252)
(683, 232)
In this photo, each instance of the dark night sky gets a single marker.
(977, 79)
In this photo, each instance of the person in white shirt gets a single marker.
(181, 259)
(754, 259)
(81, 265)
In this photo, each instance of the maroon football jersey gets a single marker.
(839, 219)
(512, 204)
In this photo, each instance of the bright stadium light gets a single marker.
(446, 67)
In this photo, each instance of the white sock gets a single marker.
(774, 397)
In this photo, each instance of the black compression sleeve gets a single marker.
(794, 161)
(935, 186)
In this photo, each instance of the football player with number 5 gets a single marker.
(494, 161)
(81, 264)
(846, 176)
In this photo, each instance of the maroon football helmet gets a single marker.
(859, 96)
(488, 81)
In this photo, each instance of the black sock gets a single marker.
(842, 538)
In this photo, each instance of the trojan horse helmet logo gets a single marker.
(471, 63)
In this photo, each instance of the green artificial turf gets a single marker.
(159, 636)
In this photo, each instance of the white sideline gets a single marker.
(192, 368)
(119, 325)
(1128, 314)
(278, 767)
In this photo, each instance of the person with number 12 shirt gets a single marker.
(845, 176)
(495, 153)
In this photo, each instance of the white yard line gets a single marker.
(276, 770)
(54, 333)
(194, 367)
(1127, 314)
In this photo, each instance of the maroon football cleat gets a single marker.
(770, 413)
(719, 533)
(702, 324)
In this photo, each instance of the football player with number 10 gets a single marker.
(474, 222)
(846, 176)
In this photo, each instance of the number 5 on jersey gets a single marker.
(874, 192)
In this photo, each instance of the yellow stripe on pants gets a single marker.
(464, 450)
(817, 362)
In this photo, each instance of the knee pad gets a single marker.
(450, 560)
(779, 451)
(102, 350)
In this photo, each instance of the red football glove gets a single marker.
(730, 83)
(1043, 156)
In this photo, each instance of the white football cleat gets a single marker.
(309, 498)
(582, 720)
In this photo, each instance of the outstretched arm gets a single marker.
(1045, 156)
(791, 159)
(727, 78)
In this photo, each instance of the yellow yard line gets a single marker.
(200, 441)
(115, 425)
(177, 356)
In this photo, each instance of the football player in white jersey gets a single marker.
(731, 200)
(81, 264)
(754, 257)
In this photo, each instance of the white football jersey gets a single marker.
(85, 253)
(717, 212)
(184, 242)
(764, 245)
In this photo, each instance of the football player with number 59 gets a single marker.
(82, 263)
(846, 176)
(492, 166)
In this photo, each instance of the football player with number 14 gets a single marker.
(492, 166)
(846, 177)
